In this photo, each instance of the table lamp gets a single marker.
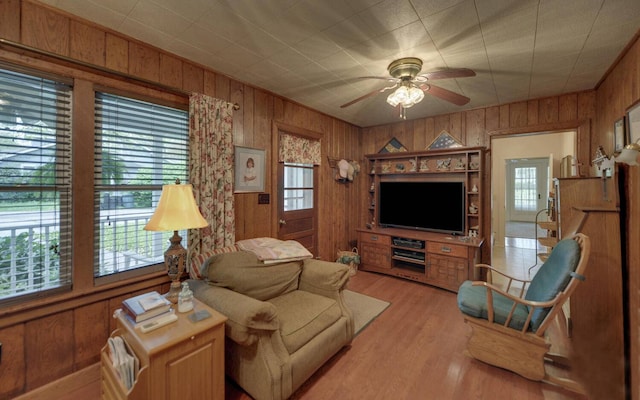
(176, 210)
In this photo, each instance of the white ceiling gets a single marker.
(316, 52)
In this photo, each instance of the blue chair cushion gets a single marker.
(472, 301)
(553, 276)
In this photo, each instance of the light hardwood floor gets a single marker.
(414, 350)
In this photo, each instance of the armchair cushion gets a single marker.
(242, 272)
(472, 300)
(302, 316)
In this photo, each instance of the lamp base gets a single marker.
(174, 292)
(174, 260)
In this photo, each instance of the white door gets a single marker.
(527, 188)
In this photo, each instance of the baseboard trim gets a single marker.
(65, 385)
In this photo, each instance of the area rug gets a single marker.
(364, 308)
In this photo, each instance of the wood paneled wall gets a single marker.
(618, 91)
(47, 339)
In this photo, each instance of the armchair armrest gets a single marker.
(510, 278)
(246, 315)
(531, 305)
(323, 277)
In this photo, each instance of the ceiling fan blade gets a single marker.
(449, 73)
(368, 95)
(445, 94)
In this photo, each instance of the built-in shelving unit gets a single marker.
(439, 259)
(465, 164)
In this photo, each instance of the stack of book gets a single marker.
(147, 308)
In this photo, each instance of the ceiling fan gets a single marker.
(411, 87)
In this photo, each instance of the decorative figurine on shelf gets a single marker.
(473, 233)
(474, 189)
(460, 164)
(443, 164)
(424, 165)
(473, 165)
(413, 165)
(473, 208)
(185, 298)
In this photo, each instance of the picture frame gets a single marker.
(619, 135)
(633, 123)
(249, 170)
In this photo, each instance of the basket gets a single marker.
(350, 258)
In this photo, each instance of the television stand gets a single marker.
(436, 259)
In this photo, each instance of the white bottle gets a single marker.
(185, 299)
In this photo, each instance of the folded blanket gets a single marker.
(271, 250)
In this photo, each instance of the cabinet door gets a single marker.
(187, 376)
(447, 272)
(375, 250)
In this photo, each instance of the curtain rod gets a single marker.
(93, 68)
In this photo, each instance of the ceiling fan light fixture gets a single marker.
(406, 95)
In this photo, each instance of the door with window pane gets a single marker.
(297, 204)
(527, 188)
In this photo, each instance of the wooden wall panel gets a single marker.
(171, 72)
(192, 78)
(49, 348)
(532, 112)
(88, 44)
(90, 331)
(13, 365)
(144, 61)
(10, 20)
(44, 29)
(518, 113)
(568, 107)
(116, 53)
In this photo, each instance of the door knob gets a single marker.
(282, 222)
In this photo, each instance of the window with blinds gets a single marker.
(139, 146)
(35, 184)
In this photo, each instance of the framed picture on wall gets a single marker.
(249, 170)
(618, 135)
(633, 123)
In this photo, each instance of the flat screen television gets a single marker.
(435, 206)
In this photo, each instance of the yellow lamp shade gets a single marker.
(176, 210)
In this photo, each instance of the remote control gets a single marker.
(158, 323)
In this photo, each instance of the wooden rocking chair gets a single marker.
(509, 331)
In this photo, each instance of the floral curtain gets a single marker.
(211, 172)
(296, 149)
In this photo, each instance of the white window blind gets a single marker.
(139, 147)
(35, 184)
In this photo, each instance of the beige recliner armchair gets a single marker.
(284, 320)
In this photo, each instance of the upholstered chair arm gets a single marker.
(323, 277)
(531, 305)
(247, 317)
(510, 279)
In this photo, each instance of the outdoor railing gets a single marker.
(128, 247)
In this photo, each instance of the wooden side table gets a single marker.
(182, 360)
